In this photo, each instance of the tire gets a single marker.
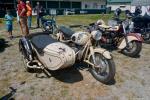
(23, 54)
(107, 78)
(134, 50)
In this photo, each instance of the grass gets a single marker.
(75, 19)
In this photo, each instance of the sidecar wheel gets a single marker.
(105, 74)
(23, 56)
(134, 49)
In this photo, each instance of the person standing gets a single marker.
(39, 10)
(23, 17)
(9, 24)
(29, 13)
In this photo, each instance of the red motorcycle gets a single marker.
(117, 35)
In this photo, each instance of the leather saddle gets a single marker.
(40, 41)
(67, 32)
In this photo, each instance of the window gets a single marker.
(122, 6)
(95, 5)
(86, 6)
(103, 6)
(52, 4)
(64, 4)
(76, 4)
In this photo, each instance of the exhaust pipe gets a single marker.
(34, 64)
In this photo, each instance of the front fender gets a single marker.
(130, 38)
(102, 51)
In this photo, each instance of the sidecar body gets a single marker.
(49, 52)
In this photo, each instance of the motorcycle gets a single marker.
(48, 23)
(100, 61)
(118, 36)
(140, 24)
(44, 52)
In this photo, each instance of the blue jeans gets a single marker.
(38, 20)
(29, 21)
(9, 27)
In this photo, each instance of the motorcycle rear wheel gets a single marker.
(105, 74)
(133, 50)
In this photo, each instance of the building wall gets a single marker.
(123, 7)
(93, 4)
(85, 4)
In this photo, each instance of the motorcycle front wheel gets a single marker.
(133, 49)
(104, 71)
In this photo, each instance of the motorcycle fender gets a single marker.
(123, 44)
(102, 51)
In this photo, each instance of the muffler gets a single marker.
(34, 64)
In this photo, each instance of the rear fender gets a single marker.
(102, 51)
(130, 37)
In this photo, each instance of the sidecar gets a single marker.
(50, 53)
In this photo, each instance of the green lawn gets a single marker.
(76, 19)
(68, 20)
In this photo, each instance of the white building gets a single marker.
(72, 4)
(122, 4)
(77, 6)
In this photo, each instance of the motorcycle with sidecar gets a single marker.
(42, 51)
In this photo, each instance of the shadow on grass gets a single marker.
(68, 75)
(3, 45)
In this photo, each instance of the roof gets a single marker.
(119, 1)
(140, 2)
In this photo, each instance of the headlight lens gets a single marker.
(96, 35)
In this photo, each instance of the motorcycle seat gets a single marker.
(67, 32)
(41, 41)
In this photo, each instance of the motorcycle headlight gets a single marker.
(96, 35)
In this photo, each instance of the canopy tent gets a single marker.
(140, 3)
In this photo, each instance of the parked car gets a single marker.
(69, 11)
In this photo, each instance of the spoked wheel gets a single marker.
(104, 71)
(24, 55)
(133, 49)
